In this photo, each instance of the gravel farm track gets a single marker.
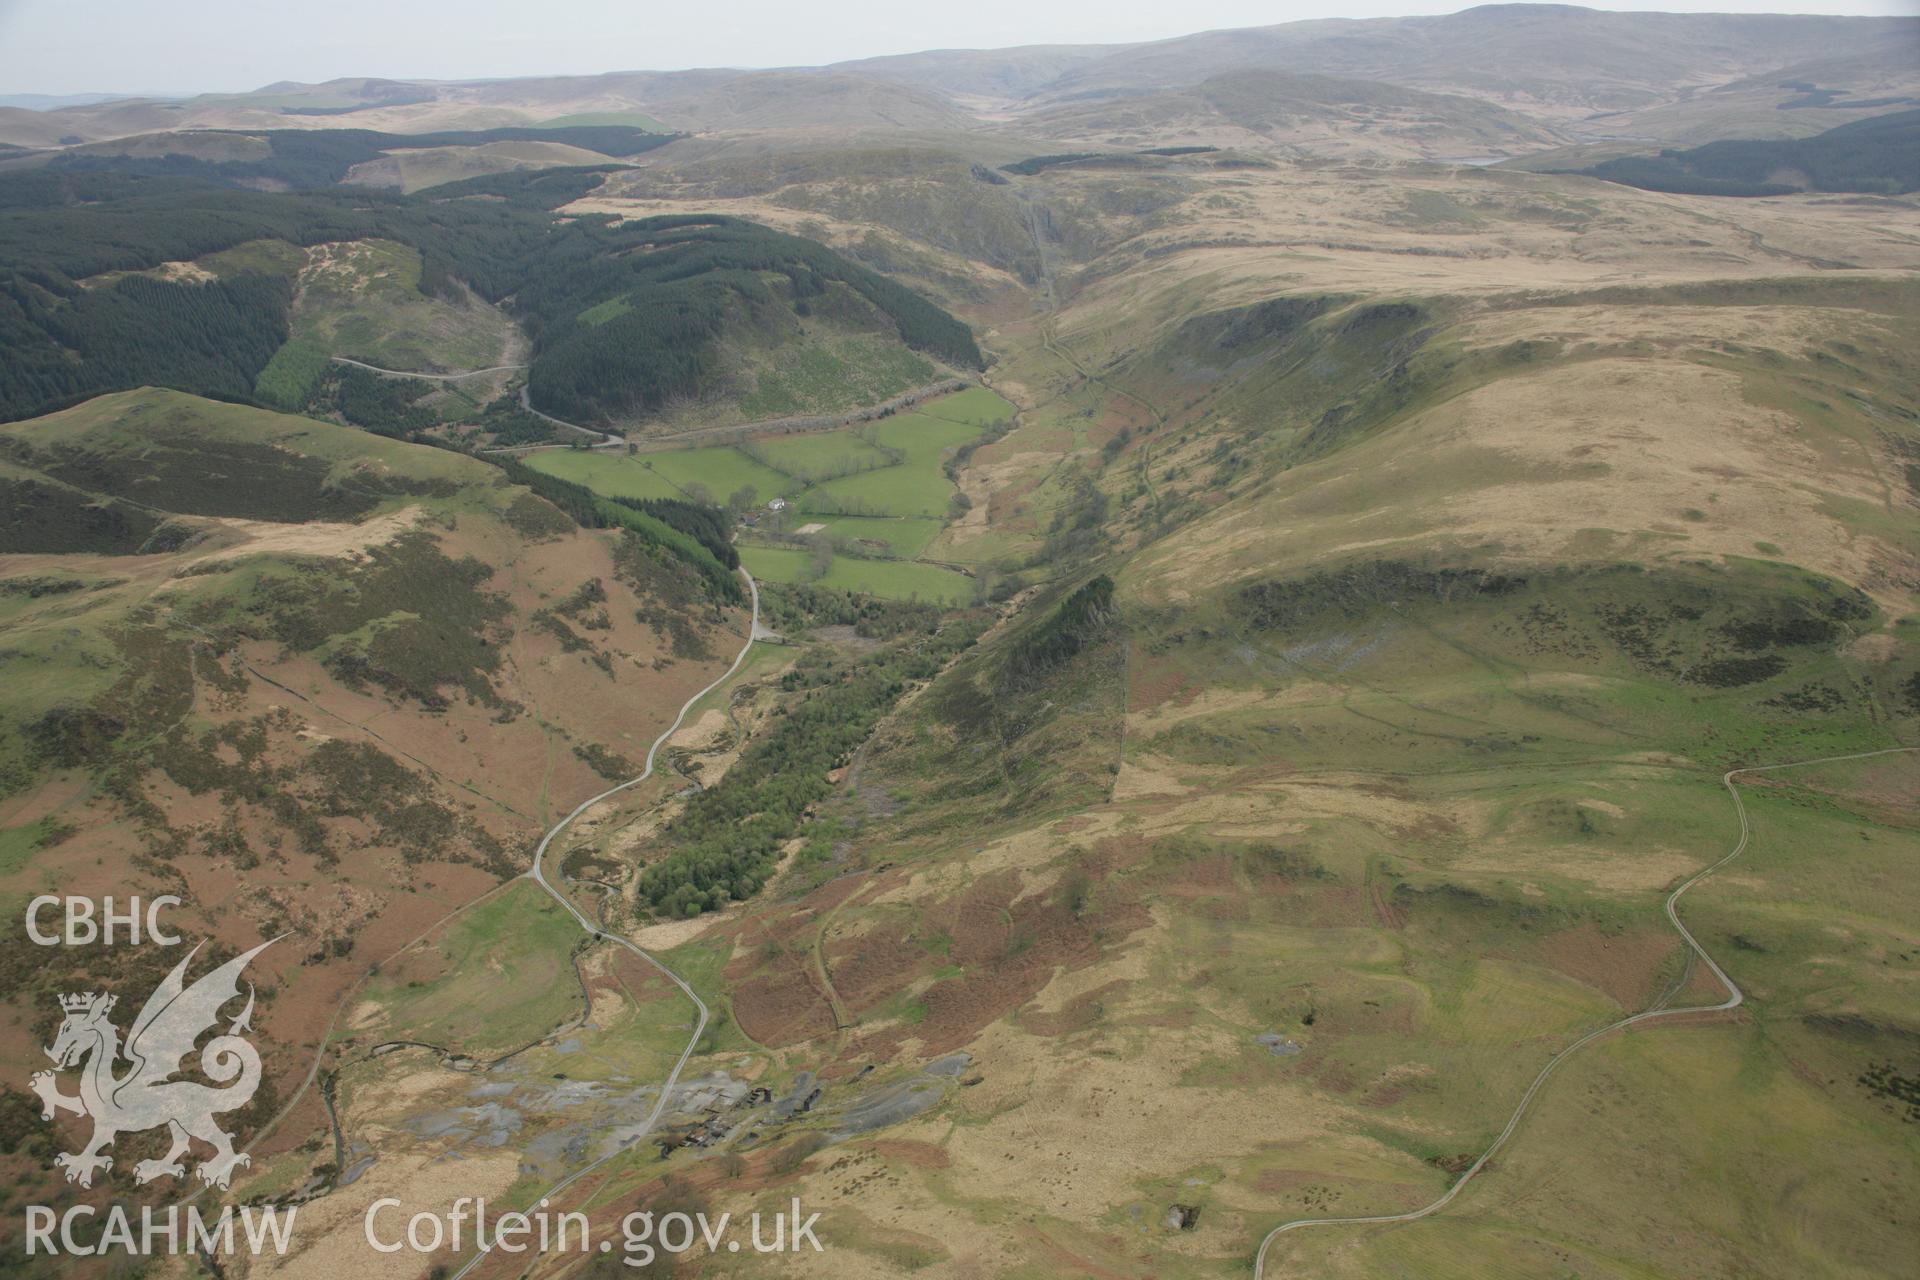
(607, 440)
(537, 873)
(1735, 997)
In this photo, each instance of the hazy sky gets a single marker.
(184, 46)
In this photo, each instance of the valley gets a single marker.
(1257, 654)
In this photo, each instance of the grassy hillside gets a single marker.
(1298, 111)
(289, 671)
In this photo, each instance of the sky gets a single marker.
(224, 46)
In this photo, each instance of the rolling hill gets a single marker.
(1668, 77)
(306, 159)
(290, 670)
(1300, 114)
(1556, 57)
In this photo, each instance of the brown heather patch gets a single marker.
(1624, 966)
(767, 981)
(1429, 828)
(1118, 413)
(1119, 852)
(915, 1155)
(1326, 906)
(780, 1004)
(1066, 1262)
(777, 998)
(1009, 947)
(1209, 876)
(1176, 1018)
(1385, 913)
(1225, 908)
(868, 969)
(1154, 682)
(1276, 1181)
(1886, 790)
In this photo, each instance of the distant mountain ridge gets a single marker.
(1553, 53)
(1562, 60)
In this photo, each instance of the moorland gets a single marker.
(1273, 550)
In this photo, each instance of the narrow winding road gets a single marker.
(426, 377)
(1735, 997)
(538, 874)
(607, 439)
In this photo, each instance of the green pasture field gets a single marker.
(906, 537)
(821, 454)
(892, 579)
(917, 487)
(496, 978)
(721, 470)
(975, 406)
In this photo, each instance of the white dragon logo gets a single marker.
(147, 1096)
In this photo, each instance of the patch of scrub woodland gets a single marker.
(1025, 726)
(729, 838)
